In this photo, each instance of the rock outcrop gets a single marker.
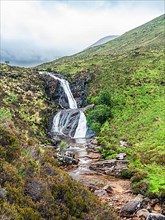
(111, 167)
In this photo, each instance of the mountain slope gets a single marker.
(146, 36)
(130, 72)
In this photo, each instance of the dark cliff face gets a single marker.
(79, 87)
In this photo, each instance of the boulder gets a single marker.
(101, 193)
(67, 158)
(108, 189)
(132, 206)
(111, 167)
(93, 155)
(142, 213)
(155, 216)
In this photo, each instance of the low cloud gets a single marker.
(48, 29)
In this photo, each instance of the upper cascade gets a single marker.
(69, 122)
(65, 85)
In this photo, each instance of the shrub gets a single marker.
(104, 98)
(141, 187)
(97, 116)
(9, 148)
(127, 173)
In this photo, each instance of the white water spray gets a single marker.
(66, 119)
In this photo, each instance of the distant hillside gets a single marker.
(129, 70)
(104, 40)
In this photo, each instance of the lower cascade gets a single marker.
(69, 122)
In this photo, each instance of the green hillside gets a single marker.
(130, 72)
(32, 187)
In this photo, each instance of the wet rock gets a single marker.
(121, 156)
(132, 206)
(142, 213)
(155, 216)
(111, 167)
(88, 107)
(67, 158)
(92, 148)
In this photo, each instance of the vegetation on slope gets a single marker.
(31, 184)
(131, 69)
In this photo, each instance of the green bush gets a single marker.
(97, 116)
(104, 98)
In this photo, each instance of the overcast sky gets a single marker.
(43, 30)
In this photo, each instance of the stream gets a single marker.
(71, 125)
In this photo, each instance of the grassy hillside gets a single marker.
(130, 72)
(32, 187)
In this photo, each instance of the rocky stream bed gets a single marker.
(84, 163)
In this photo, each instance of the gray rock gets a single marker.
(67, 158)
(142, 213)
(111, 167)
(121, 156)
(155, 216)
(132, 206)
(3, 193)
(123, 144)
(101, 193)
(108, 188)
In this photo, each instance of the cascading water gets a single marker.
(69, 122)
(65, 85)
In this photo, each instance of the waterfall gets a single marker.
(65, 85)
(69, 122)
(82, 126)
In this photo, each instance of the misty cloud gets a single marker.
(44, 30)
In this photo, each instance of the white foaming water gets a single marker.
(61, 121)
(82, 126)
(65, 85)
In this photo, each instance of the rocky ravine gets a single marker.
(85, 164)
